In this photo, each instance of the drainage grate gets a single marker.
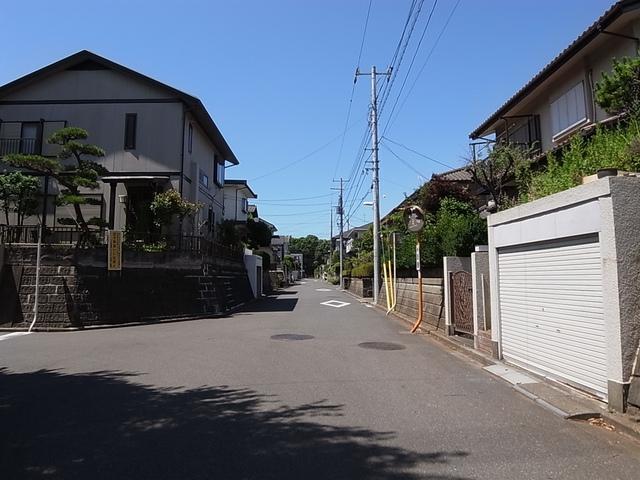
(291, 336)
(382, 346)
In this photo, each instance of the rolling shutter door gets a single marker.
(551, 310)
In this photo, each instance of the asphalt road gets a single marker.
(223, 399)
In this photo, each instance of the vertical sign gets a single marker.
(114, 250)
(418, 256)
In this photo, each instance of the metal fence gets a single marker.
(194, 244)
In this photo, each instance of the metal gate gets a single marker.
(462, 302)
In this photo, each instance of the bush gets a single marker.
(364, 270)
(607, 148)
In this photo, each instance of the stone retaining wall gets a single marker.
(76, 290)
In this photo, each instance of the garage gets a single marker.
(551, 308)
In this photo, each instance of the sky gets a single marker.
(277, 77)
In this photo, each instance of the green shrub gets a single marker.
(607, 148)
(364, 270)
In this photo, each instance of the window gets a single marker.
(190, 139)
(245, 205)
(219, 171)
(29, 137)
(130, 127)
(204, 179)
(569, 110)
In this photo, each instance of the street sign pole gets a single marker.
(414, 218)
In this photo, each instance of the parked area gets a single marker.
(289, 388)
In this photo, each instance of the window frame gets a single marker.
(201, 176)
(190, 138)
(218, 167)
(130, 145)
(555, 120)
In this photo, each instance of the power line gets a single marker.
(293, 199)
(407, 164)
(284, 167)
(353, 89)
(296, 213)
(413, 59)
(418, 153)
(270, 204)
(415, 81)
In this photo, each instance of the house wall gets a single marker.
(233, 196)
(201, 158)
(98, 100)
(587, 67)
(607, 207)
(480, 278)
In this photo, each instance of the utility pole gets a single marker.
(376, 178)
(340, 211)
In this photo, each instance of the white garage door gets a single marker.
(551, 310)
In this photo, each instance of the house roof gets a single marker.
(461, 174)
(608, 17)
(243, 184)
(194, 104)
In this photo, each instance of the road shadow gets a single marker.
(103, 425)
(272, 303)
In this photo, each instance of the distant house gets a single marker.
(559, 100)
(236, 200)
(155, 137)
(348, 237)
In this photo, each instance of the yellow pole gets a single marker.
(386, 285)
(391, 289)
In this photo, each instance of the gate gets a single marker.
(462, 302)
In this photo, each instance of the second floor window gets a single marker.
(190, 139)
(245, 205)
(130, 128)
(204, 179)
(219, 171)
(568, 110)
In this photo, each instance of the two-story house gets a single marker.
(559, 100)
(237, 194)
(155, 137)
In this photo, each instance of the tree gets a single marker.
(259, 234)
(313, 250)
(168, 205)
(432, 192)
(81, 173)
(496, 173)
(619, 91)
(18, 195)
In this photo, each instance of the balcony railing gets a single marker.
(27, 146)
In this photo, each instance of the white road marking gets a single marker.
(323, 289)
(335, 303)
(13, 334)
(368, 305)
(303, 283)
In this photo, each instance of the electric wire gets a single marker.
(417, 153)
(415, 81)
(353, 88)
(413, 59)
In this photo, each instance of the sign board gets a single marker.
(414, 218)
(418, 256)
(114, 250)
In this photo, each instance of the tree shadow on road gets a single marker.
(102, 425)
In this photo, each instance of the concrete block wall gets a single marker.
(362, 287)
(74, 292)
(407, 301)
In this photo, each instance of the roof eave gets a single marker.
(582, 41)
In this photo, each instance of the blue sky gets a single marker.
(277, 77)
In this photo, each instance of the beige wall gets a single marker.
(588, 67)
